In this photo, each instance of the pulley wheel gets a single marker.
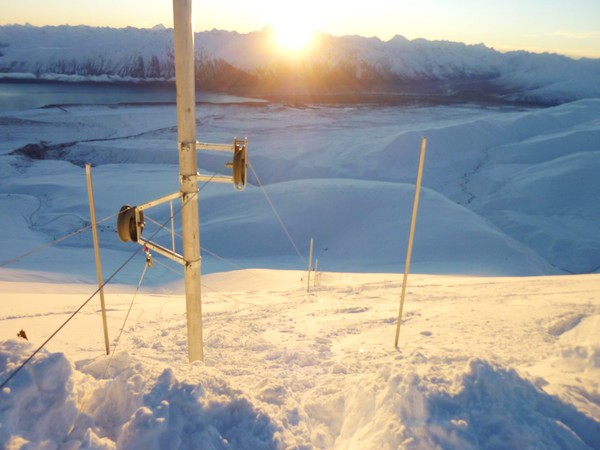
(240, 167)
(126, 225)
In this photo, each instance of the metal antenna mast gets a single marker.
(130, 221)
(186, 136)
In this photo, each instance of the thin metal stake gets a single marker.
(411, 236)
(88, 174)
(172, 228)
(310, 263)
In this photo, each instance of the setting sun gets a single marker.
(293, 30)
(292, 36)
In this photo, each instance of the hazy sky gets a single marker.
(569, 27)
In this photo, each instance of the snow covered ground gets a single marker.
(486, 363)
(509, 361)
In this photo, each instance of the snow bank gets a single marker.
(484, 407)
(40, 403)
(541, 188)
(581, 344)
(53, 405)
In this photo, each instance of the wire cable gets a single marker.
(168, 267)
(44, 246)
(108, 280)
(125, 320)
(18, 369)
(87, 227)
(53, 243)
(275, 212)
(114, 351)
(213, 254)
(204, 249)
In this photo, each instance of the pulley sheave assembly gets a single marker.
(238, 165)
(130, 221)
(128, 227)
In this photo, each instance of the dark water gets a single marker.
(28, 95)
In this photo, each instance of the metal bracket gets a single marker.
(206, 178)
(162, 250)
(193, 265)
(214, 147)
(158, 201)
(131, 218)
(186, 146)
(135, 214)
(238, 165)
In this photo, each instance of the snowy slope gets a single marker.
(482, 363)
(251, 63)
(505, 192)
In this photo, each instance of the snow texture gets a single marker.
(480, 366)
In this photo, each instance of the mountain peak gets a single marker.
(398, 38)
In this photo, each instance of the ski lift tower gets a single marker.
(130, 222)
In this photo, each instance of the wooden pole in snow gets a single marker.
(186, 136)
(411, 236)
(88, 174)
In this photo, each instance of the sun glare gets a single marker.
(292, 37)
(293, 34)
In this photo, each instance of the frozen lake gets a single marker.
(23, 95)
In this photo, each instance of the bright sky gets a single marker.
(569, 27)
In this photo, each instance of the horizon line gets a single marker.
(161, 26)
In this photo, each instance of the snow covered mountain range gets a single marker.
(251, 64)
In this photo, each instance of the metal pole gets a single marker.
(186, 136)
(309, 264)
(88, 174)
(411, 236)
(172, 227)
